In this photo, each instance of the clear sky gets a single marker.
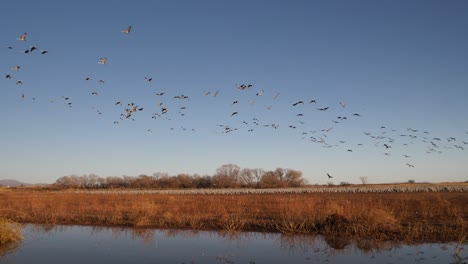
(402, 66)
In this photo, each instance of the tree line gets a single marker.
(226, 176)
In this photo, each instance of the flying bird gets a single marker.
(103, 60)
(23, 37)
(329, 176)
(299, 102)
(127, 30)
(16, 68)
(235, 113)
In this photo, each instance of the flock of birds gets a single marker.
(385, 139)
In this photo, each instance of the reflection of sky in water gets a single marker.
(76, 244)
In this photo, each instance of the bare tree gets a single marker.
(271, 180)
(294, 178)
(258, 173)
(363, 180)
(227, 176)
(247, 177)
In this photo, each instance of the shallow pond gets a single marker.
(84, 244)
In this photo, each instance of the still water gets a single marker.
(84, 244)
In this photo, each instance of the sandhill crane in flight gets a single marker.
(127, 30)
(23, 37)
(299, 102)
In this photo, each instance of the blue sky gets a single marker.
(398, 64)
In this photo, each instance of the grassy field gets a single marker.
(402, 216)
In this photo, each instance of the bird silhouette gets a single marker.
(299, 102)
(329, 176)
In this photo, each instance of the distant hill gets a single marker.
(13, 183)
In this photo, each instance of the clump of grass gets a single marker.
(10, 235)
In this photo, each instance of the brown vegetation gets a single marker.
(386, 216)
(10, 235)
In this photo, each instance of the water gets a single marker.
(84, 244)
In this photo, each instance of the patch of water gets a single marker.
(85, 244)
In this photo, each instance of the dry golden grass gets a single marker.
(410, 217)
(10, 235)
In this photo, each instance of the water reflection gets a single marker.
(85, 244)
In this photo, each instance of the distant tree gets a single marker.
(184, 181)
(115, 182)
(411, 181)
(271, 179)
(227, 176)
(203, 181)
(363, 180)
(294, 178)
(90, 181)
(247, 178)
(72, 181)
(257, 174)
